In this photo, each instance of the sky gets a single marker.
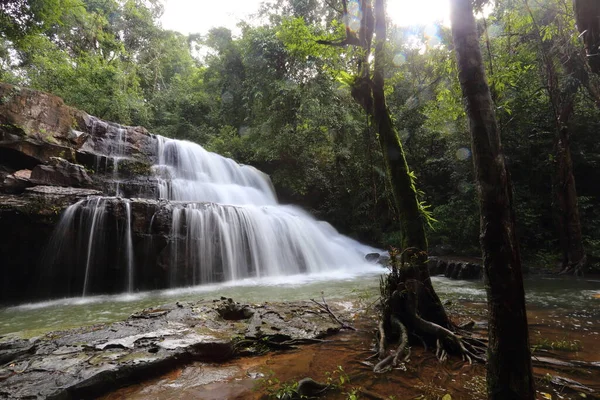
(198, 16)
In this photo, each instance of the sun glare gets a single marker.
(422, 12)
(191, 16)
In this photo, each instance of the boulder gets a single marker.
(233, 311)
(60, 172)
(35, 126)
(372, 257)
(16, 182)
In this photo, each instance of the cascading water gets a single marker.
(112, 150)
(94, 240)
(96, 225)
(118, 153)
(215, 220)
(235, 228)
(129, 247)
(187, 172)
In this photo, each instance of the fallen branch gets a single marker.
(326, 308)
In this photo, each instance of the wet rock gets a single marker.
(441, 267)
(308, 387)
(372, 257)
(232, 311)
(84, 362)
(384, 259)
(60, 172)
(13, 350)
(26, 225)
(16, 182)
(454, 269)
(450, 269)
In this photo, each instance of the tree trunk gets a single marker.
(573, 256)
(509, 373)
(569, 224)
(404, 192)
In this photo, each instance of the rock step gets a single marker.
(454, 269)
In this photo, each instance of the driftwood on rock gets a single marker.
(323, 306)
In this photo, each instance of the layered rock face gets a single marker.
(52, 156)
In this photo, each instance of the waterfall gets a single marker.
(235, 228)
(214, 220)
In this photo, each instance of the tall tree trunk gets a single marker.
(509, 372)
(573, 256)
(565, 192)
(404, 192)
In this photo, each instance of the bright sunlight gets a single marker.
(190, 16)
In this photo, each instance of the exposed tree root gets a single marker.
(391, 361)
(404, 315)
(576, 269)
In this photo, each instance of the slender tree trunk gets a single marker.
(568, 222)
(565, 192)
(509, 372)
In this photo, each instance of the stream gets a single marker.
(564, 295)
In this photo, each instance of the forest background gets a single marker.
(274, 98)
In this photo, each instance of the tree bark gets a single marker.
(587, 17)
(509, 373)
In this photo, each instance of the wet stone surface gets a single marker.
(86, 362)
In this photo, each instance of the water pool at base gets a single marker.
(566, 294)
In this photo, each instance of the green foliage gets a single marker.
(301, 39)
(275, 389)
(561, 345)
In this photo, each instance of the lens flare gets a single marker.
(463, 153)
(399, 59)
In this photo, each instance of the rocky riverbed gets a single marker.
(85, 362)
